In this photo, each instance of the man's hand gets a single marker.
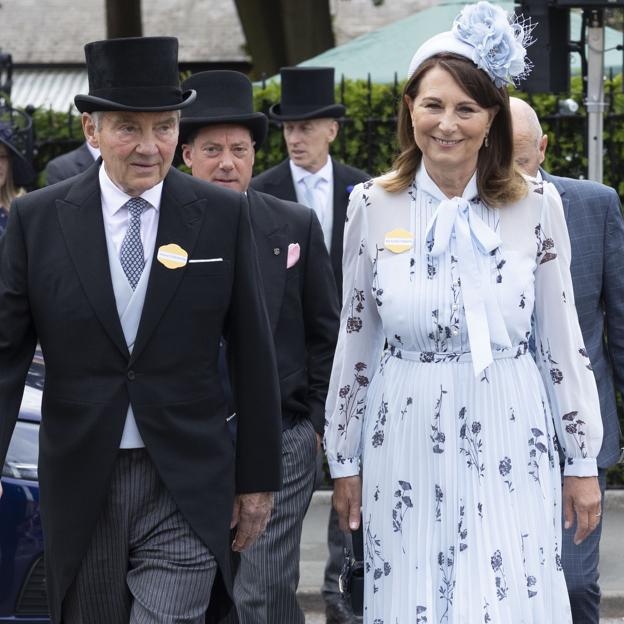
(0, 490)
(581, 495)
(251, 514)
(347, 501)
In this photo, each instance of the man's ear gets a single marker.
(187, 155)
(543, 144)
(333, 130)
(90, 130)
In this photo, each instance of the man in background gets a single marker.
(219, 134)
(594, 219)
(71, 164)
(309, 117)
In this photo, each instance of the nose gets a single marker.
(147, 146)
(448, 122)
(226, 163)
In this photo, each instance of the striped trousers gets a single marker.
(265, 586)
(145, 564)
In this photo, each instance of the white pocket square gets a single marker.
(205, 260)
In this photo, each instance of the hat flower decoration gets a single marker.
(499, 41)
(492, 39)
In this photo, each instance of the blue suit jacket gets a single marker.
(594, 218)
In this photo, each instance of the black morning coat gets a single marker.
(278, 182)
(302, 302)
(55, 287)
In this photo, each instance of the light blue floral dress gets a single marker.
(435, 392)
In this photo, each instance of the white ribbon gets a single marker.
(473, 238)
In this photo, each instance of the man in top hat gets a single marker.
(71, 164)
(128, 275)
(219, 134)
(309, 175)
(596, 227)
(308, 113)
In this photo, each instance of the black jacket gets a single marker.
(278, 182)
(302, 302)
(55, 287)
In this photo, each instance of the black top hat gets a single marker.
(133, 74)
(23, 172)
(307, 93)
(223, 96)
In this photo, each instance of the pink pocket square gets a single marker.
(293, 255)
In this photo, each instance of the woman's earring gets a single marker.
(486, 142)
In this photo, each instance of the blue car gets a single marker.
(23, 597)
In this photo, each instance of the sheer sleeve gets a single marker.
(360, 341)
(560, 351)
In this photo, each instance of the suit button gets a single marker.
(131, 375)
(276, 251)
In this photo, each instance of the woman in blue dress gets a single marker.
(451, 261)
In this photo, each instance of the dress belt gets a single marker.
(435, 357)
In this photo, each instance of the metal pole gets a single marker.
(595, 103)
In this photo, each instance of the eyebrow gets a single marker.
(462, 103)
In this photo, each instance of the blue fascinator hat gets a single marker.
(494, 40)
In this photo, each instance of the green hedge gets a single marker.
(368, 139)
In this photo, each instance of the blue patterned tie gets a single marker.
(131, 252)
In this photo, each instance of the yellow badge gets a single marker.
(172, 256)
(398, 241)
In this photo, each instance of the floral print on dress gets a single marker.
(437, 437)
(472, 448)
(491, 443)
(352, 405)
(496, 561)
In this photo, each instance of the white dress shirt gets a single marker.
(323, 195)
(116, 219)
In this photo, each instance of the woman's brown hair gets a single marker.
(497, 179)
(8, 192)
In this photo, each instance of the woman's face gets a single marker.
(449, 126)
(5, 164)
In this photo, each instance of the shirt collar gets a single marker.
(113, 198)
(325, 172)
(425, 183)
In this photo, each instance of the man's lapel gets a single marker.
(180, 220)
(272, 244)
(560, 189)
(82, 224)
(282, 182)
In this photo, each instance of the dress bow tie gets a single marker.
(474, 242)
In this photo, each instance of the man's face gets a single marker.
(308, 142)
(137, 148)
(528, 151)
(222, 154)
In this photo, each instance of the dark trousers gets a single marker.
(580, 566)
(265, 586)
(145, 564)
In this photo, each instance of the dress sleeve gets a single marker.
(360, 341)
(560, 351)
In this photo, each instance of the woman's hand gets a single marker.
(347, 501)
(581, 495)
